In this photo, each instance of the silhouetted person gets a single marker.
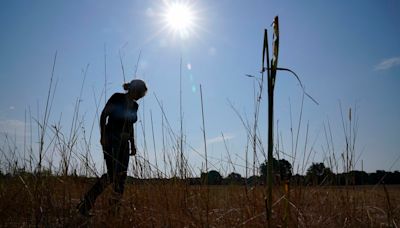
(117, 136)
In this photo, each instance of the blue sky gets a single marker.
(344, 52)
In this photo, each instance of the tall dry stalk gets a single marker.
(163, 144)
(122, 66)
(181, 171)
(154, 144)
(105, 74)
(204, 128)
(205, 155)
(272, 68)
(42, 127)
(271, 82)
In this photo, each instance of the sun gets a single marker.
(179, 18)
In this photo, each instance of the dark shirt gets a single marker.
(122, 114)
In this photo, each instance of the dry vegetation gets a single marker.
(49, 201)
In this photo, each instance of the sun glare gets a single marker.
(179, 18)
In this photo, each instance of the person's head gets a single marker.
(136, 89)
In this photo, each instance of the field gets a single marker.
(50, 202)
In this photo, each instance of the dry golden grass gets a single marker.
(51, 201)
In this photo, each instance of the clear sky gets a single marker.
(345, 52)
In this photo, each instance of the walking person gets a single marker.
(117, 141)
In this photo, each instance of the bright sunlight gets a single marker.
(179, 18)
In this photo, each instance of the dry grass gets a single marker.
(50, 201)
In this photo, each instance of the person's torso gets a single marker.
(122, 116)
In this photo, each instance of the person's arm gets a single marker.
(132, 140)
(103, 118)
(131, 130)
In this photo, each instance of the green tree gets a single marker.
(234, 178)
(317, 173)
(281, 167)
(212, 178)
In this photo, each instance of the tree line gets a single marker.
(316, 174)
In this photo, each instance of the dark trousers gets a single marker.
(116, 156)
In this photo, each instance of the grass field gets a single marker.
(50, 202)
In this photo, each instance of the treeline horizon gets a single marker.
(213, 177)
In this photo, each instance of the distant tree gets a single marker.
(194, 181)
(317, 173)
(396, 177)
(212, 178)
(316, 169)
(377, 177)
(234, 175)
(234, 178)
(280, 167)
(253, 180)
(285, 169)
(358, 177)
(297, 179)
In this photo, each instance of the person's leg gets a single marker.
(90, 197)
(122, 171)
(120, 176)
